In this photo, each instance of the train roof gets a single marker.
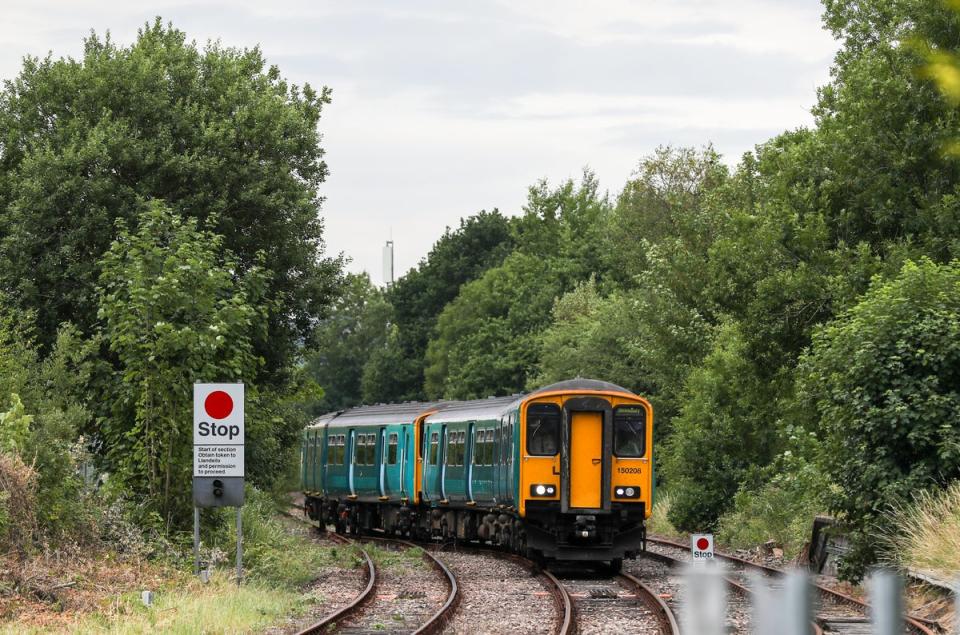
(573, 385)
(475, 409)
(470, 410)
(375, 415)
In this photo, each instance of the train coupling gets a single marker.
(585, 526)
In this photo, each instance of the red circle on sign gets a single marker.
(702, 544)
(218, 404)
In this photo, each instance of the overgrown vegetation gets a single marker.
(924, 533)
(766, 308)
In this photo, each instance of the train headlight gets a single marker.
(626, 491)
(543, 489)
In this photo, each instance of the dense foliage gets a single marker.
(703, 286)
(884, 379)
(158, 226)
(212, 132)
(793, 317)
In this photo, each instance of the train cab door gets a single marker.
(586, 460)
(351, 455)
(383, 462)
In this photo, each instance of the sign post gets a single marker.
(218, 456)
(701, 548)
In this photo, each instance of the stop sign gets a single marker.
(701, 547)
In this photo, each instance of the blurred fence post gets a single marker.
(797, 604)
(886, 602)
(783, 612)
(704, 602)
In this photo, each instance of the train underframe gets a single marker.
(545, 534)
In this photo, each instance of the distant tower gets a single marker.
(388, 263)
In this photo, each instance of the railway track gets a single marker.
(835, 613)
(618, 604)
(584, 603)
(401, 609)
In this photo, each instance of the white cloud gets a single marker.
(441, 109)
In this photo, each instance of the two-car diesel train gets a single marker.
(565, 472)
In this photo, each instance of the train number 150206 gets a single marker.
(628, 470)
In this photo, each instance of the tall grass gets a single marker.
(658, 523)
(927, 532)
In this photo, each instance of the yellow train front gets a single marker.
(586, 471)
(565, 472)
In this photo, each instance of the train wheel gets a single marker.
(615, 566)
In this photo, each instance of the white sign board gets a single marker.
(218, 430)
(701, 547)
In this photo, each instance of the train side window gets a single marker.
(629, 431)
(371, 449)
(394, 440)
(478, 447)
(488, 447)
(341, 449)
(543, 429)
(434, 444)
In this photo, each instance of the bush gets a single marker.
(270, 552)
(18, 500)
(884, 379)
(725, 428)
(780, 506)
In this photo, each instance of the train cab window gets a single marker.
(392, 444)
(629, 431)
(543, 429)
(434, 446)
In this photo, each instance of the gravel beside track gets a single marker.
(499, 596)
(659, 568)
(333, 589)
(408, 593)
(606, 605)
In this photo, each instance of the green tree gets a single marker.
(213, 132)
(884, 380)
(485, 340)
(592, 336)
(726, 426)
(175, 311)
(357, 327)
(482, 241)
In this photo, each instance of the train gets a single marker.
(563, 473)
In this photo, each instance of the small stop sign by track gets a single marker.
(701, 547)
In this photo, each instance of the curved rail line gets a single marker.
(561, 598)
(439, 619)
(347, 611)
(917, 625)
(668, 621)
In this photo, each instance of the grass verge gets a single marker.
(927, 535)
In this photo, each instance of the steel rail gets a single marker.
(655, 603)
(341, 614)
(439, 619)
(919, 625)
(561, 598)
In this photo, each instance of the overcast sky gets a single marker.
(443, 108)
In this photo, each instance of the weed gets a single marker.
(925, 533)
